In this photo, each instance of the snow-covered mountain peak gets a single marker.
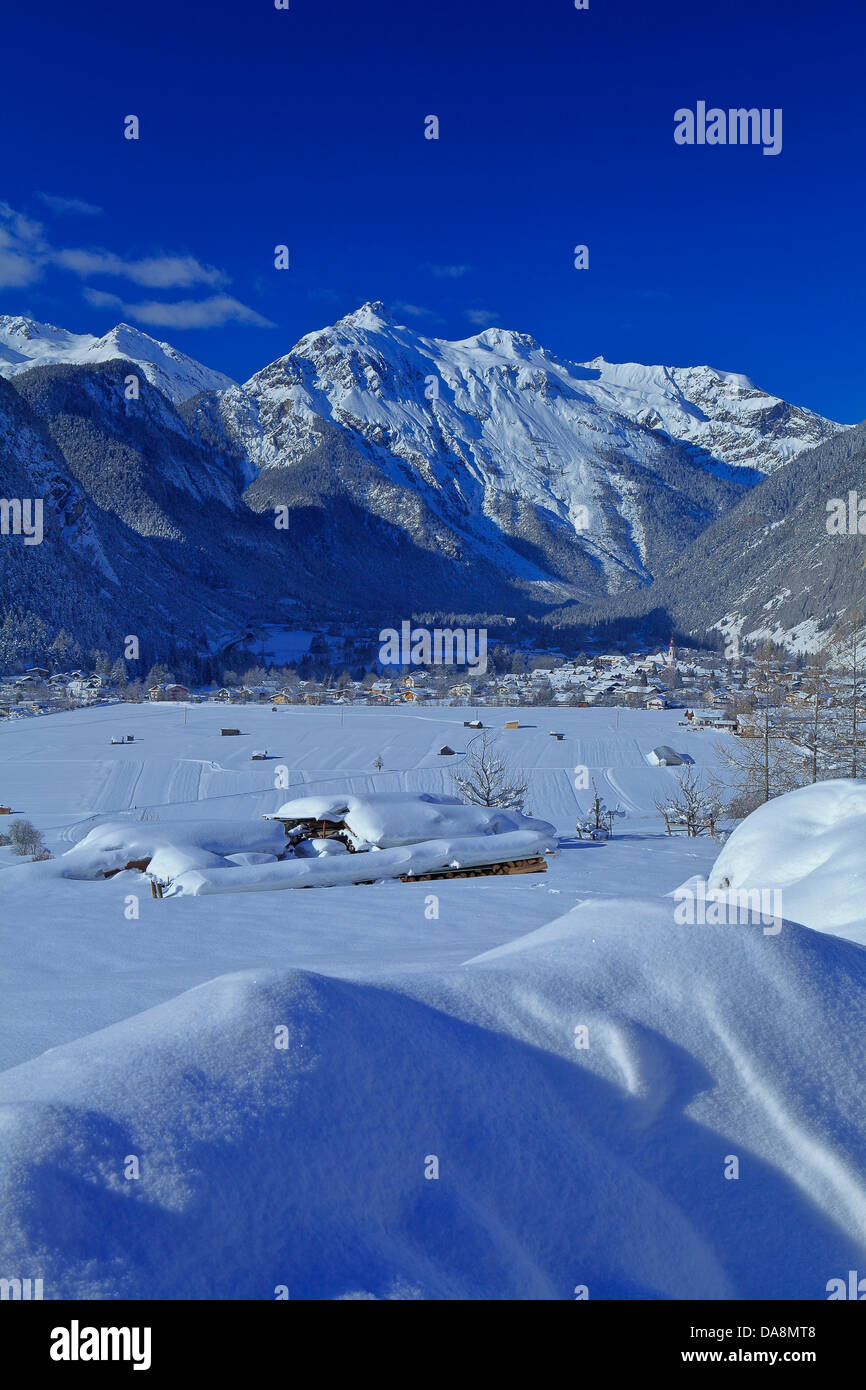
(372, 315)
(129, 339)
(505, 340)
(25, 343)
(723, 414)
(20, 327)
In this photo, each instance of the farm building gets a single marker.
(663, 756)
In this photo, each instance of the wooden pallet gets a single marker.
(510, 866)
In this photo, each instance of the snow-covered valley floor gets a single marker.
(290, 1070)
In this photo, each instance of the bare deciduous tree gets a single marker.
(691, 803)
(27, 840)
(485, 778)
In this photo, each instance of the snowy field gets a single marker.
(71, 960)
(424, 1021)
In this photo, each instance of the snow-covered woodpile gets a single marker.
(318, 841)
(386, 819)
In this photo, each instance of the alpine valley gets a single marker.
(410, 475)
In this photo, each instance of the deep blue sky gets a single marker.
(305, 127)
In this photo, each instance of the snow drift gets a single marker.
(810, 844)
(174, 845)
(237, 856)
(304, 1165)
(397, 818)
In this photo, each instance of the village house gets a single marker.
(85, 689)
(168, 692)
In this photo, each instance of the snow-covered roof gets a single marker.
(664, 756)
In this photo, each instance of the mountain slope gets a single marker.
(769, 568)
(24, 343)
(61, 578)
(491, 441)
(481, 476)
(730, 422)
(162, 547)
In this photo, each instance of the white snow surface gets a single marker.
(810, 844)
(170, 845)
(304, 1166)
(425, 1020)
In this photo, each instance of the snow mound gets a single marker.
(445, 1134)
(175, 845)
(395, 818)
(310, 849)
(810, 844)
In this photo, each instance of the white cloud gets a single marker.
(416, 311)
(481, 317)
(21, 249)
(17, 270)
(154, 272)
(23, 228)
(25, 255)
(69, 207)
(215, 312)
